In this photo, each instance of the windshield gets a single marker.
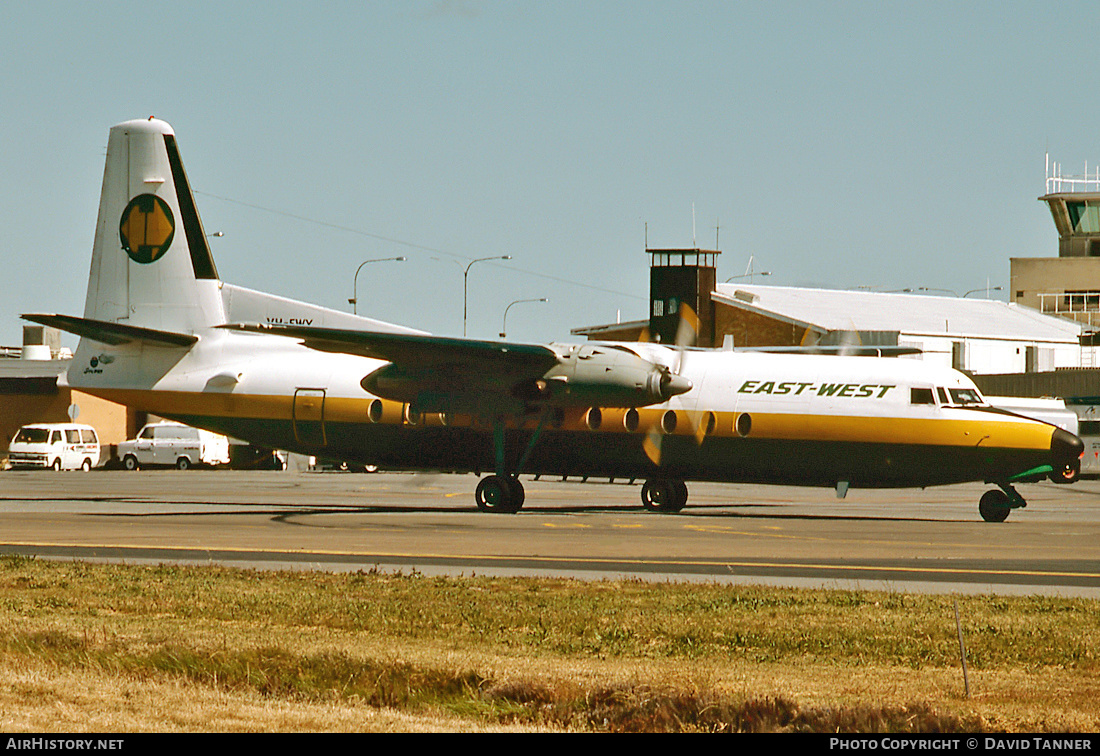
(31, 436)
(966, 396)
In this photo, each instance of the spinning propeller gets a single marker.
(686, 334)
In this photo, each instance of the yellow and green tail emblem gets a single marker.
(146, 228)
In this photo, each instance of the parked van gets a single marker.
(62, 446)
(167, 444)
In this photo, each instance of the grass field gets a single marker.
(90, 647)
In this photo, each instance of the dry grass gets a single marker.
(126, 649)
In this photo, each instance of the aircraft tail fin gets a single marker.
(151, 263)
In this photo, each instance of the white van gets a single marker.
(62, 446)
(166, 444)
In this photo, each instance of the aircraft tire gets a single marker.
(681, 494)
(130, 462)
(1069, 474)
(499, 493)
(993, 506)
(518, 494)
(664, 495)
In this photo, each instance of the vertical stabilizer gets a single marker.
(151, 264)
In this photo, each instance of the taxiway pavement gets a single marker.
(926, 540)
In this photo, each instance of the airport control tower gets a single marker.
(678, 277)
(1067, 285)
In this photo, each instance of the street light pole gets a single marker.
(504, 324)
(986, 289)
(749, 276)
(354, 301)
(465, 279)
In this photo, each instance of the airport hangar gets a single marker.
(1042, 343)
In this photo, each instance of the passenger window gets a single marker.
(943, 395)
(88, 436)
(146, 432)
(921, 396)
(73, 436)
(55, 437)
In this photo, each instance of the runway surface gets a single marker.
(912, 540)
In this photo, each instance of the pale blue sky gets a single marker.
(874, 144)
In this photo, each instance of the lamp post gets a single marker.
(465, 279)
(749, 276)
(504, 324)
(354, 301)
(986, 289)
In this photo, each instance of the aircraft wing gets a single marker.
(435, 373)
(416, 350)
(491, 378)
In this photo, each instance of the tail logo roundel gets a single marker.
(146, 228)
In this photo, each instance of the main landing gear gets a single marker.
(503, 492)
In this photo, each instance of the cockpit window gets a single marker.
(921, 396)
(966, 396)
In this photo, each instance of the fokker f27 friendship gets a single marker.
(162, 333)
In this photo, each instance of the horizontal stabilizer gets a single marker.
(112, 333)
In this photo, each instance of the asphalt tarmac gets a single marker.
(910, 540)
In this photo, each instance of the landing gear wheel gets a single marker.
(130, 462)
(993, 506)
(499, 493)
(664, 495)
(1068, 474)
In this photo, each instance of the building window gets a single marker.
(658, 308)
(1082, 301)
(958, 355)
(1084, 217)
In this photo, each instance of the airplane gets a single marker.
(162, 333)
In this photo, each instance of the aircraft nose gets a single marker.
(1065, 448)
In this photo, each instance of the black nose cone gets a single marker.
(1065, 448)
